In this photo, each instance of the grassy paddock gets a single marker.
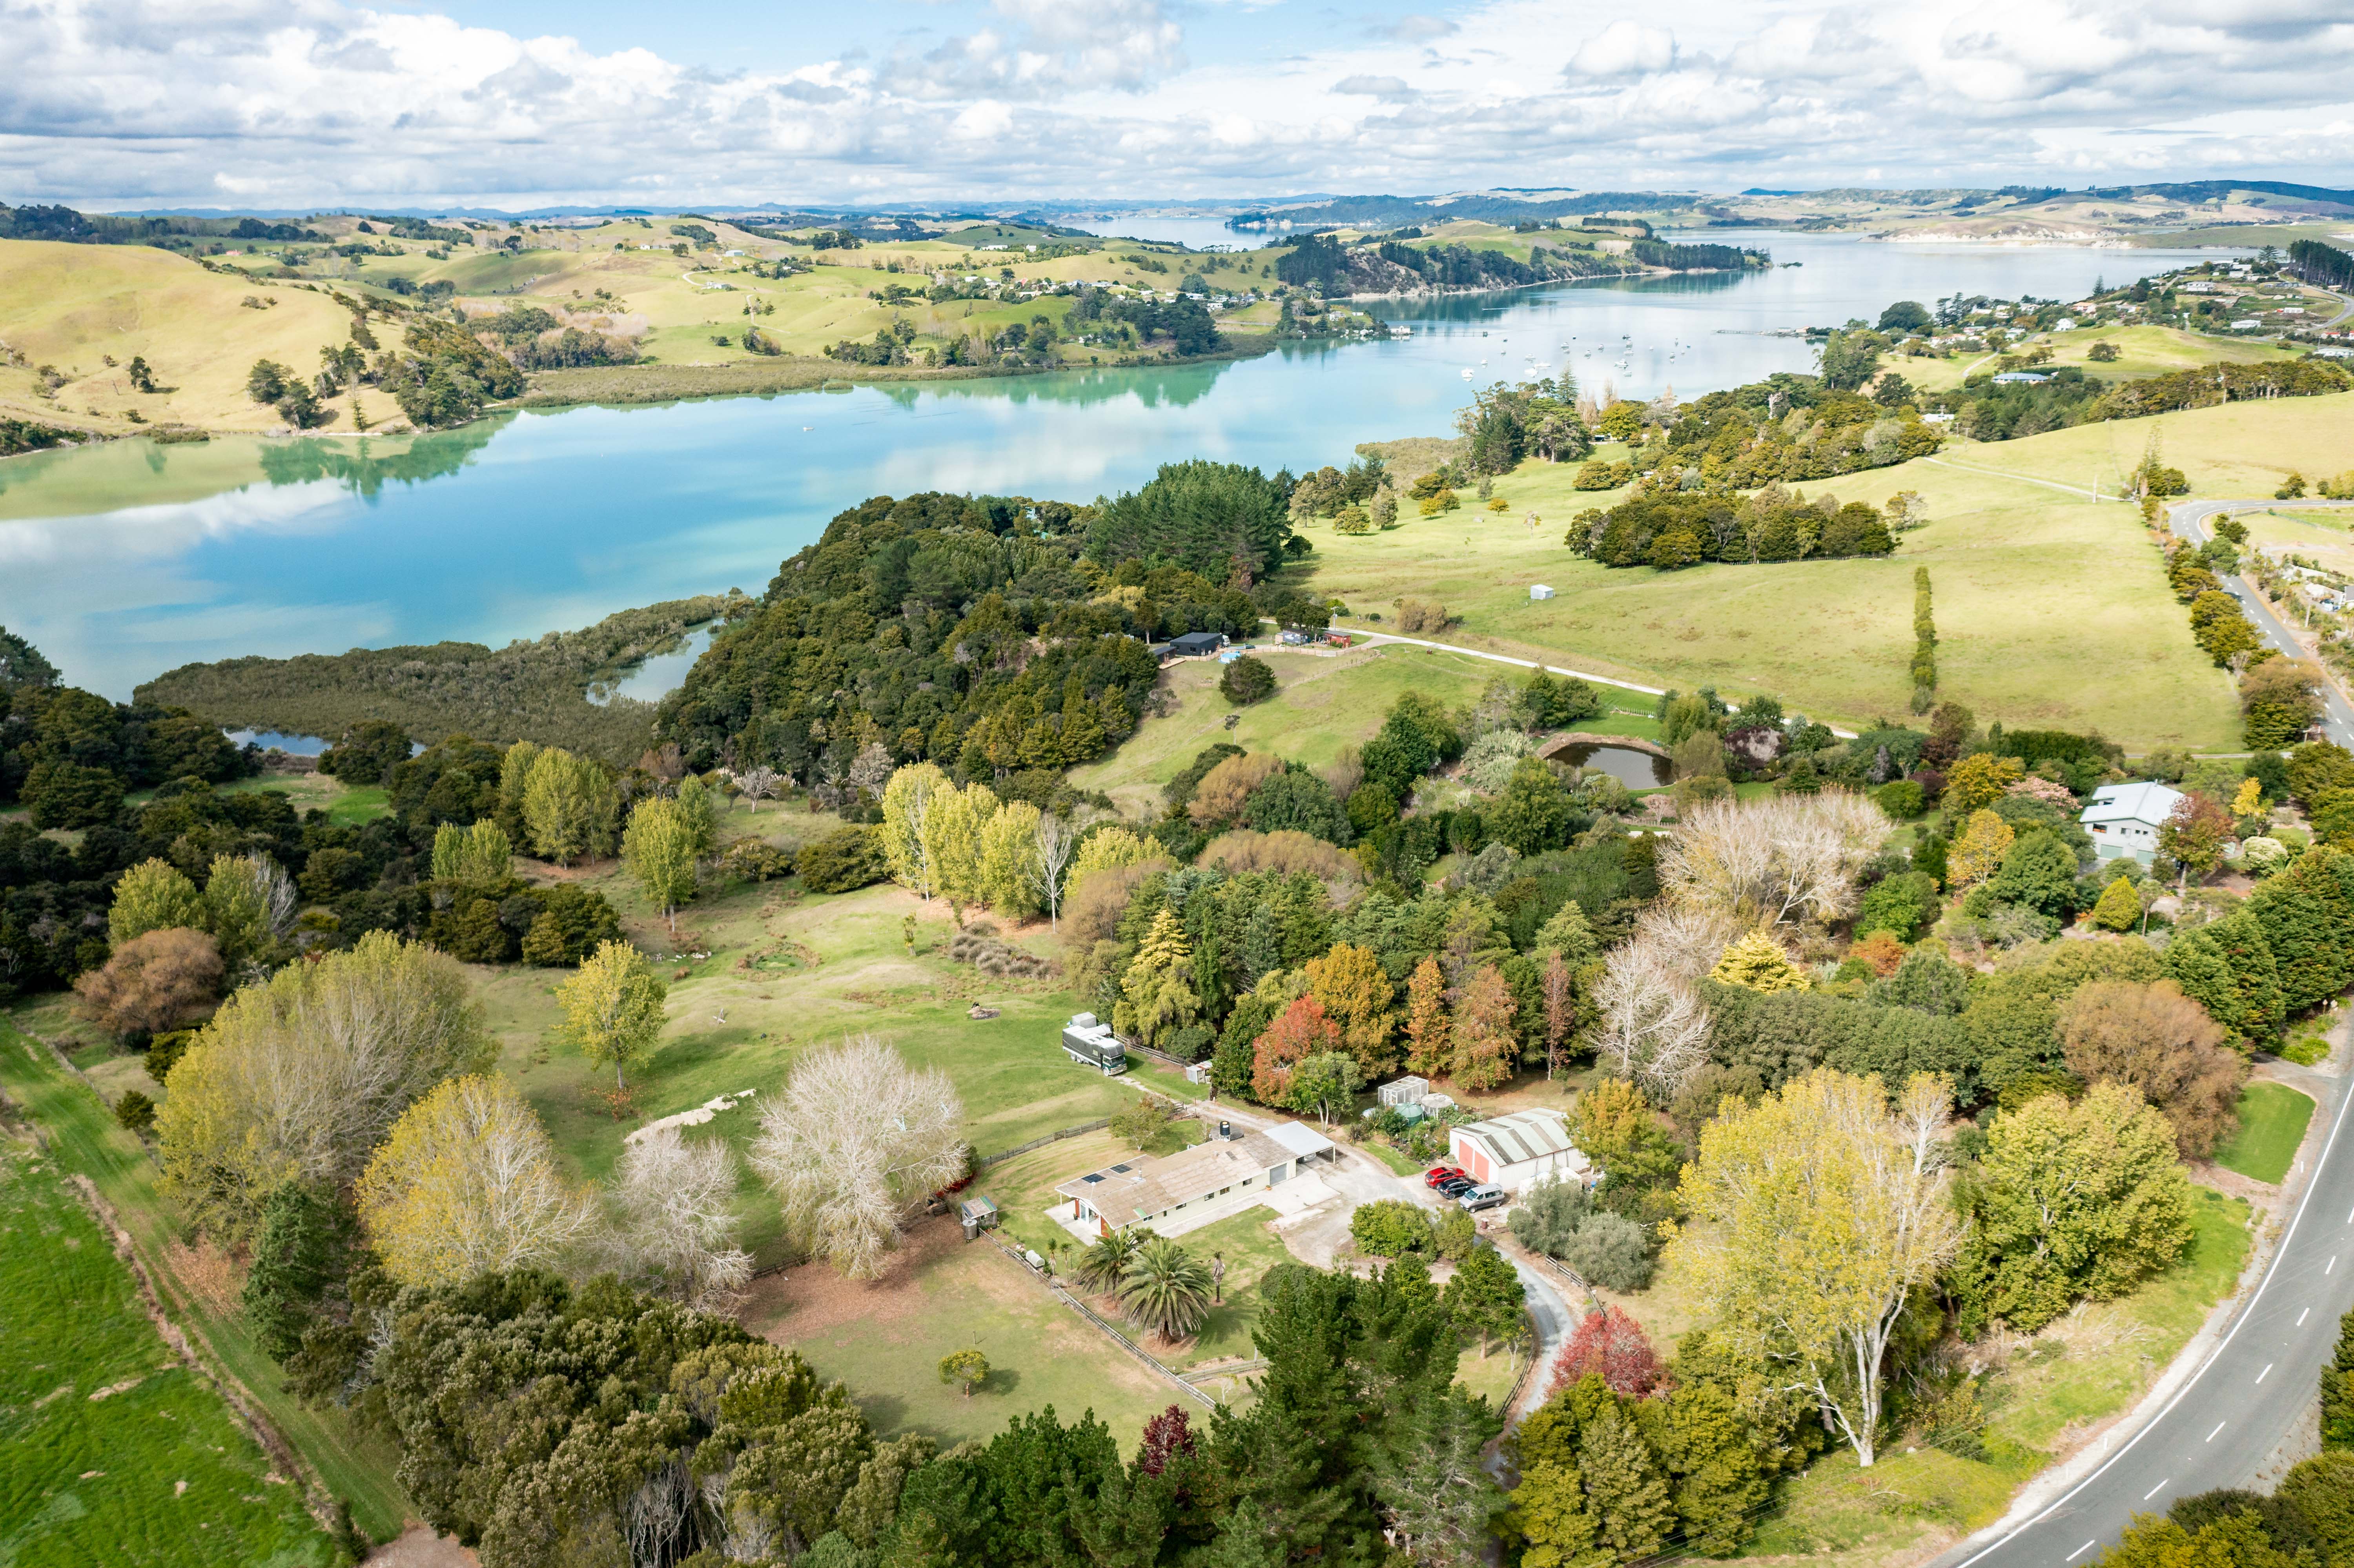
(2049, 609)
(115, 1452)
(1319, 705)
(2273, 1119)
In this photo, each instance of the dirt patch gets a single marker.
(419, 1547)
(810, 1300)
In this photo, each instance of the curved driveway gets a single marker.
(2223, 1422)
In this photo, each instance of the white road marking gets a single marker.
(2079, 1551)
(2155, 1491)
(2218, 1426)
(2265, 1374)
(2330, 1265)
(2301, 1317)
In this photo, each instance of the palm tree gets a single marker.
(1167, 1290)
(1107, 1261)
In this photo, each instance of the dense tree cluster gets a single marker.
(1668, 530)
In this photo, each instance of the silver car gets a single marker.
(1484, 1197)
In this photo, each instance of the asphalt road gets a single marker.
(2189, 521)
(2223, 1424)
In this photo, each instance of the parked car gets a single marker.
(1438, 1173)
(1478, 1198)
(1455, 1187)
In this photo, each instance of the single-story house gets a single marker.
(1194, 645)
(1092, 1045)
(1141, 1190)
(2124, 819)
(1517, 1151)
(2021, 378)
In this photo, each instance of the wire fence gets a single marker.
(1086, 1126)
(1104, 1324)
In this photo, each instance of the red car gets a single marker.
(1438, 1174)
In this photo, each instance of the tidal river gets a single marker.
(127, 559)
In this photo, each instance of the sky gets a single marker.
(514, 103)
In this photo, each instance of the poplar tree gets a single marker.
(659, 846)
(152, 896)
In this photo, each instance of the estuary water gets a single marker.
(127, 559)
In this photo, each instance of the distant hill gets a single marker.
(1479, 207)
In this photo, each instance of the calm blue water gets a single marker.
(530, 523)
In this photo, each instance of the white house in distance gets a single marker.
(2124, 819)
(1519, 1150)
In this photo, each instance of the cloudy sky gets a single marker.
(289, 103)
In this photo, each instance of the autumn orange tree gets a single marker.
(1485, 1041)
(1301, 1030)
(1430, 1049)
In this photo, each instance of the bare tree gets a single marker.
(1654, 1026)
(1058, 842)
(756, 785)
(1780, 858)
(854, 1140)
(675, 1201)
(871, 769)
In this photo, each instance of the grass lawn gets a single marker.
(2049, 609)
(86, 1141)
(2272, 1124)
(113, 1451)
(1319, 705)
(345, 805)
(885, 1340)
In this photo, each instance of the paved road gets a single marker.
(2189, 521)
(2219, 1426)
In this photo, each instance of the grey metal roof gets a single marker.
(1522, 1136)
(1299, 1137)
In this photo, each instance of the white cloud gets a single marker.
(292, 103)
(1625, 48)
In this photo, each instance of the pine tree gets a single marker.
(292, 1262)
(1757, 961)
(1624, 1488)
(1431, 1049)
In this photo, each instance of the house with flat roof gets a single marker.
(1161, 1188)
(1519, 1150)
(1194, 645)
(2124, 819)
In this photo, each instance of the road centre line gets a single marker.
(2265, 1374)
(2079, 1551)
(2218, 1426)
(2155, 1491)
(2301, 1317)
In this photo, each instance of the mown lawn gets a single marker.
(2273, 1119)
(111, 1451)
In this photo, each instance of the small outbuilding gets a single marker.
(1401, 1092)
(977, 1213)
(1194, 645)
(1539, 590)
(1519, 1150)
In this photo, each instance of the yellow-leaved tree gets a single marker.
(613, 1008)
(298, 1079)
(1009, 856)
(468, 1183)
(952, 825)
(479, 856)
(1815, 1214)
(1356, 993)
(1108, 849)
(567, 805)
(1977, 853)
(1157, 996)
(906, 802)
(1976, 782)
(1757, 961)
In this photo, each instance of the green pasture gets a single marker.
(2273, 1119)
